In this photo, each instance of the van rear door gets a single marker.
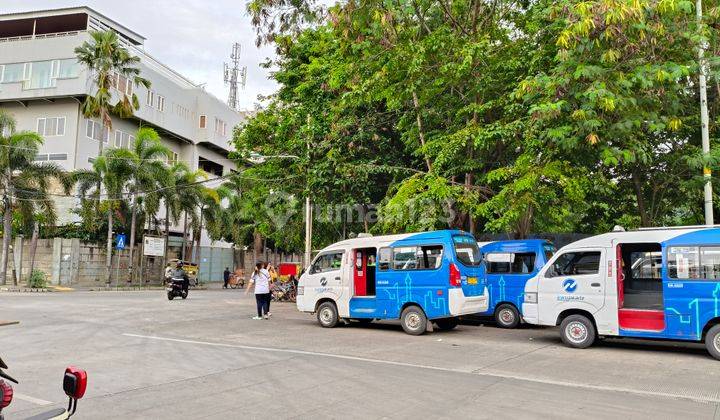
(468, 261)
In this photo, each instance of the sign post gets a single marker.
(120, 240)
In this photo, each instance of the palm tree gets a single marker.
(112, 175)
(25, 183)
(178, 195)
(148, 173)
(209, 211)
(108, 60)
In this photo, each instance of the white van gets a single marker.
(655, 284)
(416, 278)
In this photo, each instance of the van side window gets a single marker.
(384, 258)
(426, 257)
(575, 264)
(505, 263)
(327, 262)
(694, 263)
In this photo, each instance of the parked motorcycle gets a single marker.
(74, 385)
(174, 288)
(283, 291)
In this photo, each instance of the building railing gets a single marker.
(40, 36)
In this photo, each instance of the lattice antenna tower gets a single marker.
(235, 76)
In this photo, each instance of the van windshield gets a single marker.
(467, 250)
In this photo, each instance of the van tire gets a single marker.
(507, 316)
(327, 315)
(446, 324)
(577, 331)
(413, 320)
(712, 341)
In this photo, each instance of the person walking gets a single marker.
(226, 277)
(260, 280)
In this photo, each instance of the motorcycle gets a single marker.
(74, 385)
(174, 289)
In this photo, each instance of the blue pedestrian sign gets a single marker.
(120, 240)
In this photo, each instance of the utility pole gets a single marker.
(308, 205)
(704, 120)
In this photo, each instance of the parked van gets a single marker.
(416, 278)
(507, 266)
(656, 284)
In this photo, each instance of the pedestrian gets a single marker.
(260, 279)
(168, 272)
(272, 275)
(226, 277)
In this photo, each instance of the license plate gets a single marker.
(472, 280)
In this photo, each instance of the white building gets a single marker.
(43, 86)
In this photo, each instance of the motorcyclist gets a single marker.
(179, 273)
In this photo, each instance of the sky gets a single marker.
(193, 37)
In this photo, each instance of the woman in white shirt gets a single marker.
(260, 279)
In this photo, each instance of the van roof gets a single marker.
(638, 236)
(374, 241)
(515, 245)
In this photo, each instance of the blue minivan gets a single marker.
(508, 265)
(420, 279)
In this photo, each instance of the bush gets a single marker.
(37, 279)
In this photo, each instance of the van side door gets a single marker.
(574, 279)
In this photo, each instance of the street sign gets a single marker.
(154, 246)
(120, 240)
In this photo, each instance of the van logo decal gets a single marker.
(570, 285)
(323, 281)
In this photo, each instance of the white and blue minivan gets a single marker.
(654, 284)
(419, 278)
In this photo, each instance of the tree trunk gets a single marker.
(421, 133)
(133, 221)
(33, 245)
(257, 246)
(7, 235)
(198, 236)
(167, 234)
(642, 209)
(108, 250)
(184, 241)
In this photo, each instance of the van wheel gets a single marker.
(577, 331)
(327, 315)
(413, 320)
(507, 316)
(712, 341)
(446, 324)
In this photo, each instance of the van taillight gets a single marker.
(454, 276)
(6, 394)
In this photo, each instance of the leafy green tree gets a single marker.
(107, 59)
(25, 184)
(145, 162)
(108, 176)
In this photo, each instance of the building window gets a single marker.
(123, 140)
(68, 69)
(161, 103)
(94, 130)
(121, 83)
(203, 121)
(150, 98)
(48, 127)
(220, 127)
(58, 156)
(41, 158)
(13, 73)
(172, 158)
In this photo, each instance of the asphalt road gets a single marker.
(148, 357)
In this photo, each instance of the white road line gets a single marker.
(537, 380)
(30, 399)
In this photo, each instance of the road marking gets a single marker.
(537, 380)
(33, 400)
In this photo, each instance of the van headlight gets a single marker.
(530, 297)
